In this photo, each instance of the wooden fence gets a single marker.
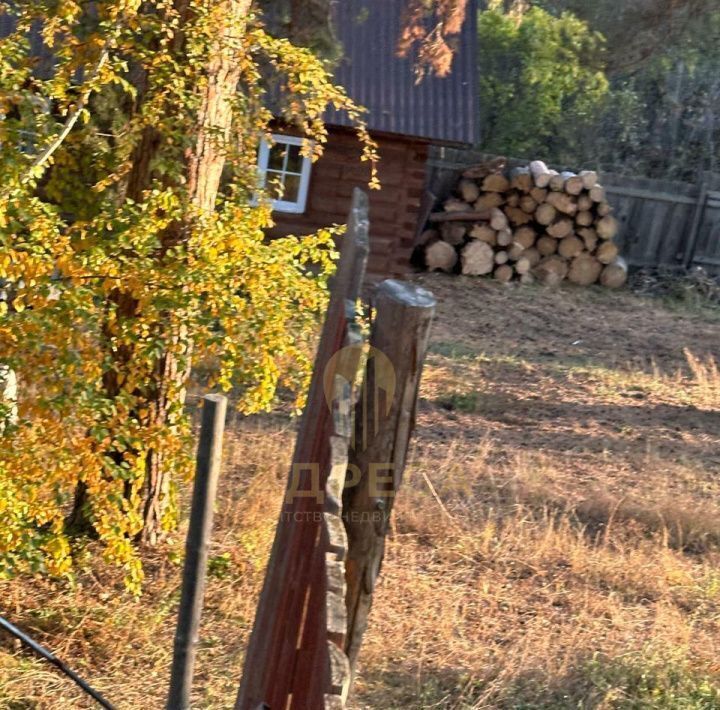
(329, 539)
(295, 658)
(662, 223)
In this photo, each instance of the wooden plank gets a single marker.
(661, 247)
(473, 216)
(709, 237)
(384, 421)
(649, 195)
(285, 618)
(636, 252)
(695, 228)
(677, 227)
(707, 261)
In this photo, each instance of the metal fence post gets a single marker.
(209, 456)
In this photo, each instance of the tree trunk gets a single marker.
(163, 392)
(8, 397)
(204, 171)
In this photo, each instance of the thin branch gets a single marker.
(72, 119)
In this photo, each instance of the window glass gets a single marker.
(285, 173)
(295, 159)
(276, 161)
(274, 184)
(292, 188)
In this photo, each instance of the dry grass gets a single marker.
(557, 544)
(521, 591)
(123, 646)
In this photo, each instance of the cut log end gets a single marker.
(607, 227)
(484, 233)
(504, 273)
(453, 233)
(547, 246)
(545, 214)
(498, 220)
(496, 182)
(504, 238)
(440, 256)
(584, 270)
(477, 259)
(589, 178)
(551, 271)
(469, 190)
(501, 257)
(614, 275)
(561, 229)
(570, 247)
(607, 252)
(526, 236)
(523, 265)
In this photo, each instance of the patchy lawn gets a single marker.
(557, 544)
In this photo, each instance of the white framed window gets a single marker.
(284, 173)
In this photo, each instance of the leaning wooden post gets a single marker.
(209, 455)
(694, 232)
(384, 421)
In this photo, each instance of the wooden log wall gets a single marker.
(393, 210)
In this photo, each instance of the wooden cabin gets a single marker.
(405, 117)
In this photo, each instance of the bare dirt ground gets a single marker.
(575, 375)
(557, 543)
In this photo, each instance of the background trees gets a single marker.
(652, 109)
(541, 80)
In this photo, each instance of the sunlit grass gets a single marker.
(556, 543)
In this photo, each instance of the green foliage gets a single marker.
(629, 88)
(219, 566)
(661, 683)
(540, 75)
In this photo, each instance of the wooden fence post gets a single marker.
(294, 660)
(384, 421)
(694, 233)
(209, 455)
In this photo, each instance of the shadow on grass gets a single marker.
(553, 425)
(632, 682)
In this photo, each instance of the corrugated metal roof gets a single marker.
(439, 109)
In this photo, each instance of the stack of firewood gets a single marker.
(533, 224)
